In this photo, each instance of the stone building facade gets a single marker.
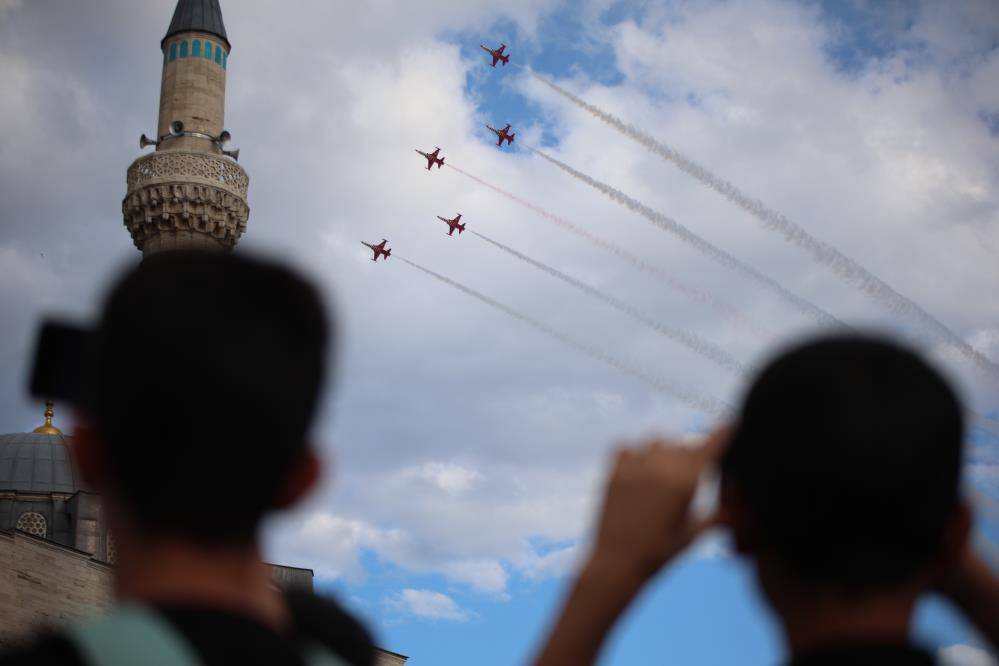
(44, 584)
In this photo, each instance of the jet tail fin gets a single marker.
(461, 227)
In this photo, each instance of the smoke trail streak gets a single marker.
(982, 422)
(688, 340)
(724, 258)
(844, 267)
(727, 311)
(704, 404)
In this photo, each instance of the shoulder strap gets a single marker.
(314, 654)
(132, 635)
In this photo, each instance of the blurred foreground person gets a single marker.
(204, 381)
(840, 482)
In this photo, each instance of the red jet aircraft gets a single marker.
(432, 158)
(453, 224)
(497, 54)
(379, 250)
(503, 134)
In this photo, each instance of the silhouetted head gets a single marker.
(844, 466)
(208, 369)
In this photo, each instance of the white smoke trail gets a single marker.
(727, 311)
(702, 403)
(688, 340)
(724, 258)
(843, 266)
(982, 422)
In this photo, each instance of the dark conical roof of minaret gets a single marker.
(200, 15)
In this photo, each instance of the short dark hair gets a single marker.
(208, 368)
(847, 455)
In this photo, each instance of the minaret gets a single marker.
(190, 193)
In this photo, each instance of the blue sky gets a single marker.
(465, 449)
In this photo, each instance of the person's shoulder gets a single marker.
(51, 650)
(323, 620)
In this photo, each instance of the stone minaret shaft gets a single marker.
(189, 193)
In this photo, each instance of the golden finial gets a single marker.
(47, 428)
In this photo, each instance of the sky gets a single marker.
(465, 448)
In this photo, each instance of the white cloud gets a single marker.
(451, 478)
(28, 276)
(551, 564)
(10, 5)
(965, 655)
(331, 544)
(428, 605)
(483, 575)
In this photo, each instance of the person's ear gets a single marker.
(732, 514)
(304, 476)
(956, 535)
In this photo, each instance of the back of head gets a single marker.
(847, 457)
(208, 370)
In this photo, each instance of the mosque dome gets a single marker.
(36, 463)
(40, 490)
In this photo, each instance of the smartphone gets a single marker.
(61, 362)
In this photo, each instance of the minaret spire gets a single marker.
(190, 193)
(199, 16)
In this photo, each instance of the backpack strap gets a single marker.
(132, 635)
(314, 654)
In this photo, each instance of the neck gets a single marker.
(167, 571)
(830, 620)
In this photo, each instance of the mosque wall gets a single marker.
(44, 584)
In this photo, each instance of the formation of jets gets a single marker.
(453, 224)
(432, 158)
(503, 135)
(499, 55)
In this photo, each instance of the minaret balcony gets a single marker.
(186, 193)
